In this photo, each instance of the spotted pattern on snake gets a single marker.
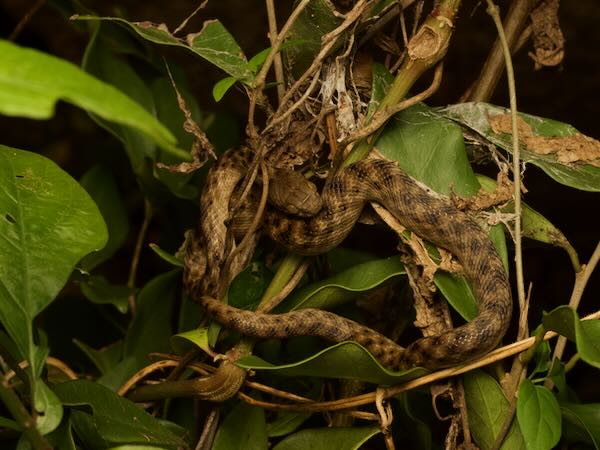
(429, 215)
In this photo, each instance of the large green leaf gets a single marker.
(585, 333)
(347, 360)
(100, 183)
(150, 330)
(581, 423)
(476, 116)
(346, 285)
(244, 427)
(103, 419)
(431, 149)
(488, 408)
(48, 222)
(31, 82)
(213, 43)
(328, 438)
(539, 416)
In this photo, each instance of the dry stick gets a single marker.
(207, 437)
(183, 24)
(253, 226)
(380, 118)
(259, 81)
(277, 64)
(581, 280)
(329, 40)
(517, 368)
(135, 260)
(514, 24)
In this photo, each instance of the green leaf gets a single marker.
(198, 337)
(585, 333)
(287, 422)
(243, 428)
(458, 293)
(105, 358)
(250, 284)
(347, 360)
(98, 290)
(31, 82)
(581, 423)
(48, 406)
(476, 116)
(213, 43)
(100, 183)
(112, 420)
(488, 408)
(316, 19)
(534, 225)
(416, 137)
(382, 79)
(166, 256)
(150, 329)
(328, 438)
(345, 286)
(221, 87)
(538, 414)
(47, 224)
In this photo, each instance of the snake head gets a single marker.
(291, 192)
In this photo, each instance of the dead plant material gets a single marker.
(548, 39)
(577, 148)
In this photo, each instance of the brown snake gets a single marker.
(430, 215)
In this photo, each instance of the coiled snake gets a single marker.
(427, 214)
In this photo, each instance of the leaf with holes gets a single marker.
(48, 222)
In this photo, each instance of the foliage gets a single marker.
(58, 234)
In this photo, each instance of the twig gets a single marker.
(514, 24)
(25, 20)
(285, 291)
(581, 280)
(148, 213)
(329, 41)
(277, 64)
(381, 117)
(259, 81)
(187, 19)
(209, 430)
(253, 226)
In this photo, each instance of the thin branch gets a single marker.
(381, 117)
(135, 260)
(329, 41)
(25, 20)
(277, 64)
(188, 18)
(514, 24)
(286, 290)
(581, 281)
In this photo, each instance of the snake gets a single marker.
(430, 215)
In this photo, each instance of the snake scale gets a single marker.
(428, 214)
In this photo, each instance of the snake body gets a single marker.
(429, 215)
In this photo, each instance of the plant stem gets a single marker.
(514, 24)
(13, 403)
(427, 47)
